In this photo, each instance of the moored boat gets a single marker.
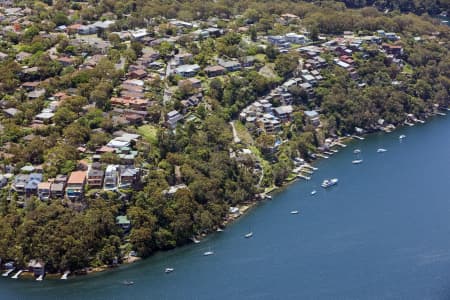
(6, 274)
(169, 270)
(357, 161)
(65, 275)
(15, 276)
(381, 150)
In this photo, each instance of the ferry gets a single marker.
(169, 270)
(357, 161)
(248, 235)
(381, 150)
(294, 212)
(313, 192)
(329, 182)
(356, 151)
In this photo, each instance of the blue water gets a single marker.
(382, 233)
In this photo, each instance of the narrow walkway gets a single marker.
(236, 139)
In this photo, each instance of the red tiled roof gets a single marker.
(77, 177)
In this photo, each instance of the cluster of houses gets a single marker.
(74, 185)
(88, 176)
(263, 116)
(184, 67)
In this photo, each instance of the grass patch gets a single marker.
(243, 133)
(269, 71)
(149, 133)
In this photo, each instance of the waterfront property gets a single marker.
(37, 267)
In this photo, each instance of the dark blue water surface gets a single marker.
(382, 233)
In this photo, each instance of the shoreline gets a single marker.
(243, 209)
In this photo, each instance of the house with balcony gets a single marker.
(111, 181)
(19, 183)
(75, 185)
(213, 71)
(284, 113)
(312, 117)
(278, 40)
(31, 187)
(295, 38)
(183, 58)
(230, 65)
(129, 176)
(187, 70)
(269, 123)
(95, 178)
(57, 190)
(395, 50)
(172, 118)
(44, 190)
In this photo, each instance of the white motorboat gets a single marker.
(381, 150)
(356, 151)
(329, 182)
(357, 161)
(208, 253)
(40, 278)
(248, 235)
(402, 136)
(169, 270)
(313, 192)
(294, 212)
(127, 282)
